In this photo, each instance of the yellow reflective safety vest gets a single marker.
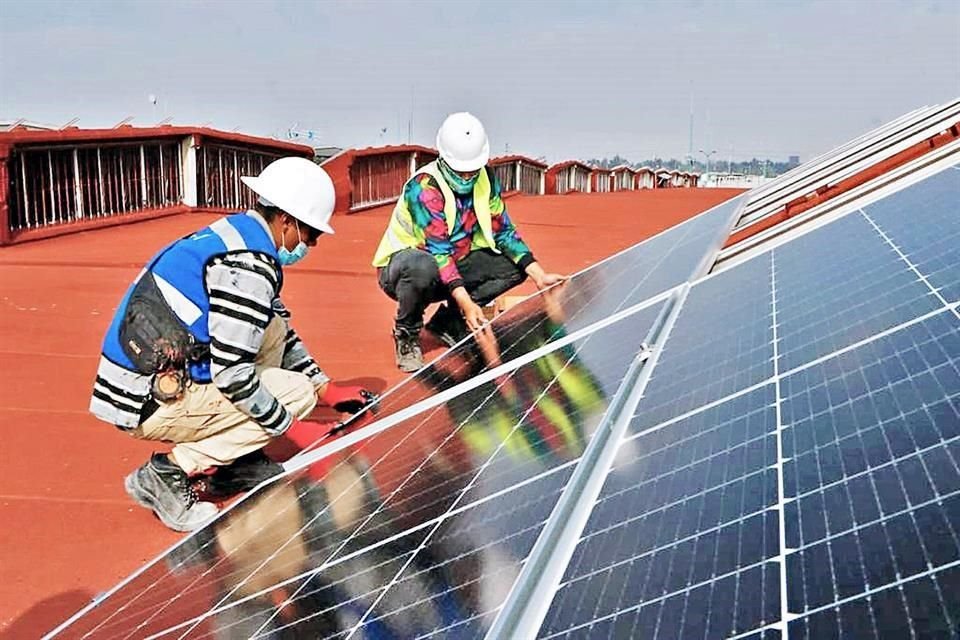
(403, 233)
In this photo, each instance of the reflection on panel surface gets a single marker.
(427, 522)
(623, 280)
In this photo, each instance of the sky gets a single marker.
(561, 79)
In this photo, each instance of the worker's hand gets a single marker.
(549, 279)
(541, 278)
(345, 398)
(551, 304)
(472, 312)
(473, 315)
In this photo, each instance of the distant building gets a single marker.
(320, 154)
(793, 161)
(58, 181)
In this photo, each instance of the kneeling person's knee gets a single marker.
(294, 390)
(421, 270)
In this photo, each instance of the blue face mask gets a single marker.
(299, 252)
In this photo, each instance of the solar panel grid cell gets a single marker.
(694, 503)
(722, 343)
(876, 498)
(924, 222)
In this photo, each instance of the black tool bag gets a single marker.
(152, 335)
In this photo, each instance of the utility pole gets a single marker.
(410, 119)
(690, 132)
(707, 156)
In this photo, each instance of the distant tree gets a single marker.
(754, 166)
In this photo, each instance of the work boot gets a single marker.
(241, 475)
(162, 486)
(447, 325)
(409, 353)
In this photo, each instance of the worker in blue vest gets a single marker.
(450, 240)
(200, 352)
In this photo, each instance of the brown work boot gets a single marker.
(409, 353)
(163, 487)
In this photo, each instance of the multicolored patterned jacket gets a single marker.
(425, 202)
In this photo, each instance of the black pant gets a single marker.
(413, 280)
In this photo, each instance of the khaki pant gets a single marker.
(209, 431)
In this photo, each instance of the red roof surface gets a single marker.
(61, 491)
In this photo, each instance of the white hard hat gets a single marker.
(463, 143)
(298, 187)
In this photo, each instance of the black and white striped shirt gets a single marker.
(243, 299)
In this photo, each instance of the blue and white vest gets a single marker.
(178, 271)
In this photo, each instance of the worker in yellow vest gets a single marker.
(450, 240)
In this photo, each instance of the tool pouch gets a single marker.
(156, 341)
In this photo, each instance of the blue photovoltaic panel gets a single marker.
(722, 343)
(410, 526)
(766, 634)
(838, 285)
(923, 220)
(871, 446)
(873, 478)
(680, 540)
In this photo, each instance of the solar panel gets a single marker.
(396, 530)
(851, 391)
(722, 343)
(857, 155)
(649, 268)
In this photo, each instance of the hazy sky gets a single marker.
(561, 79)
